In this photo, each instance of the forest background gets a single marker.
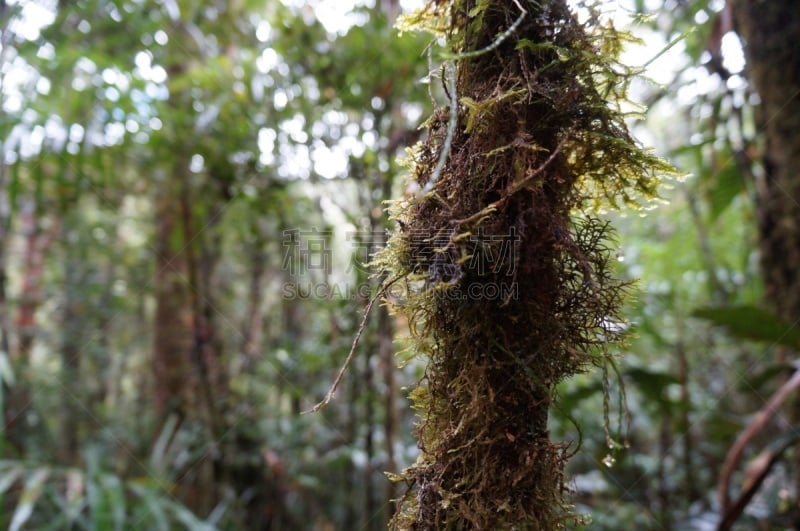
(190, 193)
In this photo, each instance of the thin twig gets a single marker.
(515, 187)
(452, 124)
(332, 391)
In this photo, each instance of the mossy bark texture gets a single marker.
(510, 288)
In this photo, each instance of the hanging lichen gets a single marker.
(508, 276)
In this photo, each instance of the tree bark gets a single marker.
(172, 327)
(73, 319)
(770, 31)
(18, 402)
(385, 333)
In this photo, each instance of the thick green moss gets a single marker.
(509, 280)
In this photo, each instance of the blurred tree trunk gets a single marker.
(386, 353)
(5, 229)
(9, 416)
(177, 360)
(5, 205)
(202, 246)
(73, 342)
(18, 403)
(173, 316)
(253, 326)
(773, 66)
(771, 31)
(384, 340)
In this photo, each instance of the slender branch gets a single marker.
(706, 250)
(764, 464)
(528, 178)
(452, 123)
(332, 391)
(756, 425)
(499, 40)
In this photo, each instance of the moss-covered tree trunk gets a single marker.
(509, 282)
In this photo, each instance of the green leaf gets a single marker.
(158, 457)
(749, 322)
(6, 376)
(569, 401)
(727, 185)
(106, 499)
(652, 330)
(187, 518)
(116, 499)
(765, 376)
(478, 9)
(9, 476)
(652, 384)
(154, 504)
(650, 379)
(30, 495)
